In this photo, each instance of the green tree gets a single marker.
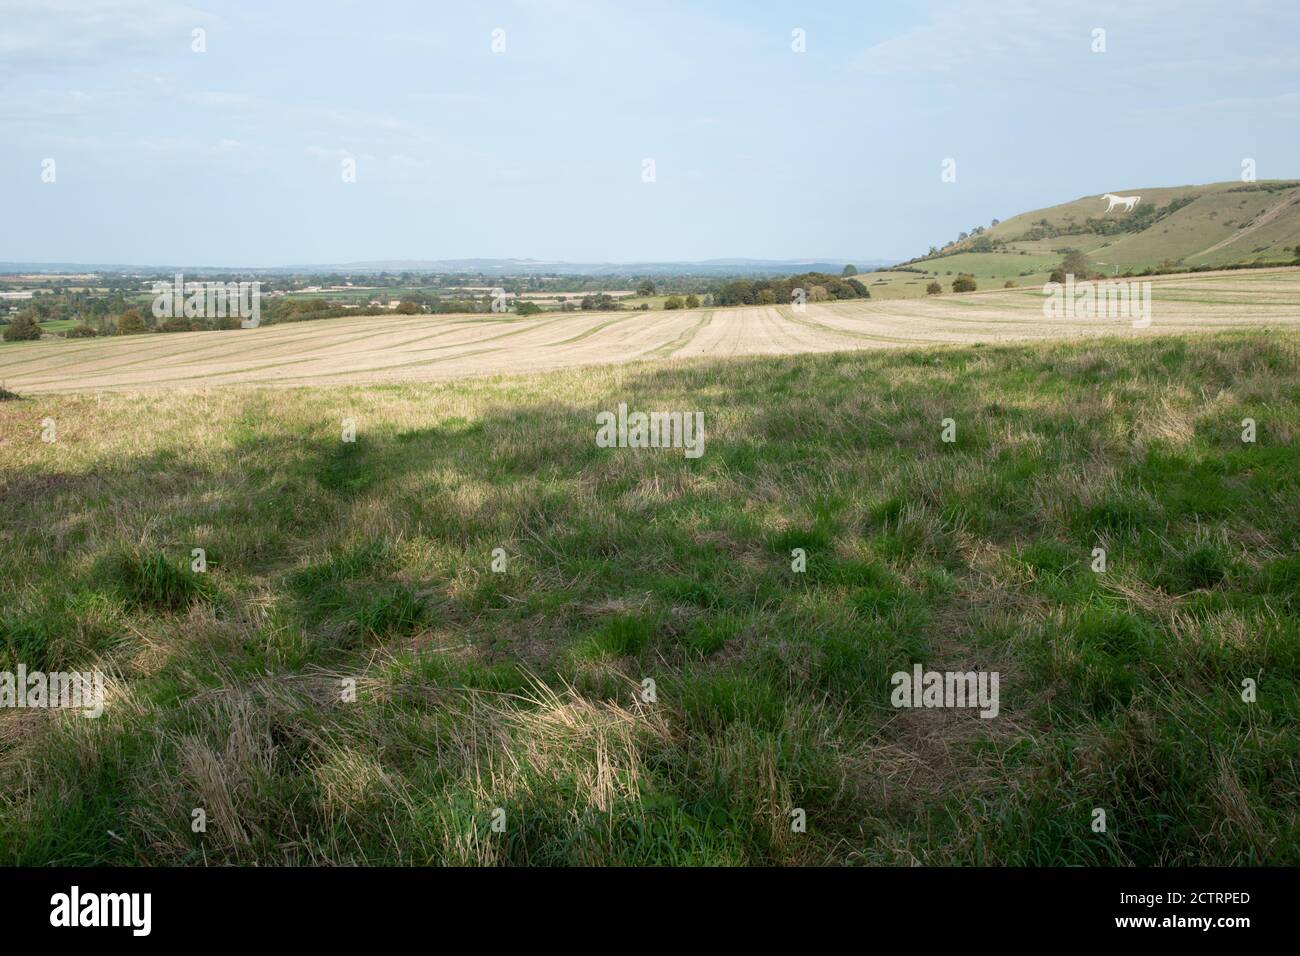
(646, 288)
(692, 301)
(737, 292)
(603, 302)
(933, 289)
(131, 322)
(24, 328)
(524, 307)
(963, 283)
(1075, 263)
(674, 302)
(849, 271)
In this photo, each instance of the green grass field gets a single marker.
(522, 691)
(991, 271)
(59, 325)
(636, 301)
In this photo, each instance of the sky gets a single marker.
(235, 155)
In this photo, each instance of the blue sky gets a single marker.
(233, 156)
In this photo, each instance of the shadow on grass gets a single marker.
(374, 557)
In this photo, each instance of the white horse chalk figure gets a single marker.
(1128, 202)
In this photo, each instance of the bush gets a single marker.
(692, 302)
(963, 283)
(22, 329)
(933, 289)
(524, 307)
(674, 302)
(131, 322)
(1009, 284)
(82, 331)
(1075, 262)
(176, 325)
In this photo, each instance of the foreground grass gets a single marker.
(522, 690)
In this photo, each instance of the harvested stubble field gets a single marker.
(372, 560)
(428, 348)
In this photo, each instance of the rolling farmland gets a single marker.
(438, 347)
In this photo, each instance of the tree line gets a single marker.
(816, 286)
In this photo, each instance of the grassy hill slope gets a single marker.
(1178, 227)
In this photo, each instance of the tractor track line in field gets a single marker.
(377, 370)
(684, 339)
(492, 338)
(191, 378)
(589, 332)
(847, 333)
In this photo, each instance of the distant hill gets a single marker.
(719, 267)
(1212, 225)
(504, 267)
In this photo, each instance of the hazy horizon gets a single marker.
(233, 156)
(465, 261)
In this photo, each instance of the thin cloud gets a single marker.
(51, 34)
(994, 41)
